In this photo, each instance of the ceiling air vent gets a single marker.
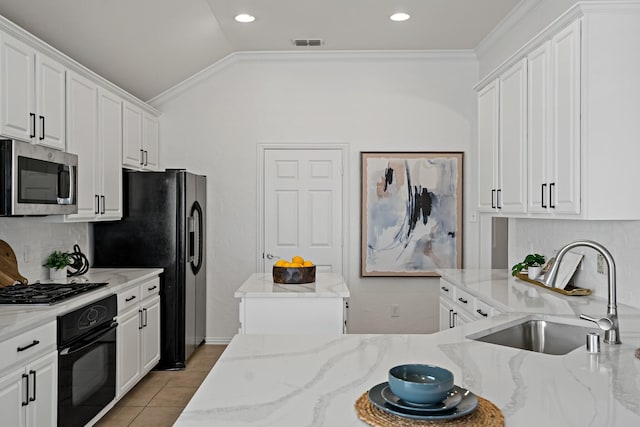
(307, 42)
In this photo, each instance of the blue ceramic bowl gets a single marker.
(420, 383)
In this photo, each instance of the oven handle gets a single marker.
(88, 341)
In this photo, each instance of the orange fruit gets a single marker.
(280, 263)
(297, 260)
(307, 264)
(295, 264)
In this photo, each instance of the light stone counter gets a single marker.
(15, 319)
(261, 285)
(291, 380)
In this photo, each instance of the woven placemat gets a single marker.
(486, 415)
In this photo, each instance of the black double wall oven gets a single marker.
(86, 361)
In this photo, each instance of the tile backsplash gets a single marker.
(33, 239)
(621, 238)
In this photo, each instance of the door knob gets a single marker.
(272, 256)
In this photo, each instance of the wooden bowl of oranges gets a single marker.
(296, 272)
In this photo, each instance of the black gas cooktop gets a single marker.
(44, 293)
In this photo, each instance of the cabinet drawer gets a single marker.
(23, 347)
(128, 298)
(464, 300)
(483, 310)
(446, 290)
(150, 288)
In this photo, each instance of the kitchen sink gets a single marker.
(537, 335)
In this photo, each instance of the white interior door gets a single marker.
(303, 206)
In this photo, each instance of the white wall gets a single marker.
(33, 239)
(370, 101)
(621, 238)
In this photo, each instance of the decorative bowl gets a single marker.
(416, 383)
(294, 275)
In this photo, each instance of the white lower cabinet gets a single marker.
(138, 339)
(458, 307)
(29, 379)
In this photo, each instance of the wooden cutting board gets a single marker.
(9, 274)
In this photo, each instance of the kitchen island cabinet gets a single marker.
(305, 380)
(312, 308)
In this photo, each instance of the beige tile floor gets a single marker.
(158, 399)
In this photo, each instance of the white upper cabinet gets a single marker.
(95, 135)
(554, 124)
(82, 114)
(581, 121)
(502, 142)
(110, 154)
(488, 146)
(512, 196)
(140, 139)
(33, 94)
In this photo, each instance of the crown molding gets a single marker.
(464, 55)
(43, 47)
(578, 10)
(514, 16)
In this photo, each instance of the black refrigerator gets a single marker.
(163, 225)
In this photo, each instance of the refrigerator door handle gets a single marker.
(191, 230)
(196, 212)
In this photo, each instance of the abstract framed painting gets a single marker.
(411, 213)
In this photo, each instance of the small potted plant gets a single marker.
(57, 262)
(533, 263)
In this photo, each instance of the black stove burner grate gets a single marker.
(44, 293)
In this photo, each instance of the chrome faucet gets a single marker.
(608, 323)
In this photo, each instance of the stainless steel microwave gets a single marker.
(36, 180)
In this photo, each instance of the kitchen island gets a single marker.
(317, 308)
(302, 380)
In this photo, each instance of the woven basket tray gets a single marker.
(486, 415)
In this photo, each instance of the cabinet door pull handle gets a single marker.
(41, 128)
(131, 298)
(152, 288)
(444, 288)
(97, 204)
(543, 188)
(482, 313)
(493, 198)
(455, 319)
(462, 300)
(141, 157)
(450, 318)
(33, 125)
(552, 186)
(498, 201)
(140, 324)
(25, 382)
(102, 199)
(146, 158)
(33, 373)
(26, 347)
(144, 313)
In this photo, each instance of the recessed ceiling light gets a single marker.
(245, 17)
(400, 16)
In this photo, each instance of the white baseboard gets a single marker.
(217, 340)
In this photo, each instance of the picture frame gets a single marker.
(411, 213)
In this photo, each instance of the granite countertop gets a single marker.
(15, 319)
(267, 380)
(261, 285)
